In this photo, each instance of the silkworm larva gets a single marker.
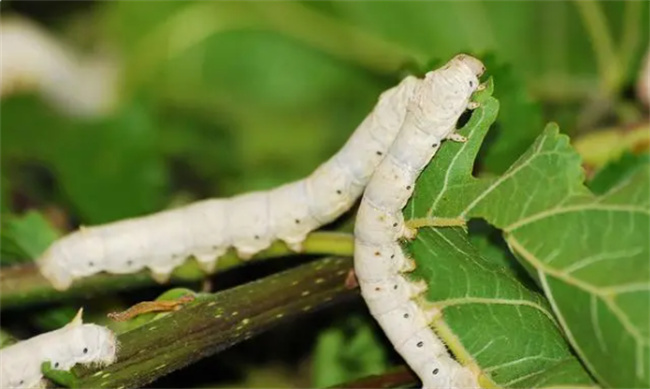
(248, 222)
(380, 264)
(20, 364)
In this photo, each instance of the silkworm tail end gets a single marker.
(54, 272)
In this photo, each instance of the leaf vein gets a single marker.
(509, 174)
(494, 301)
(607, 299)
(593, 259)
(575, 208)
(522, 360)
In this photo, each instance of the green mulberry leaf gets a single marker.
(492, 320)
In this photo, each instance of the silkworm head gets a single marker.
(475, 65)
(445, 94)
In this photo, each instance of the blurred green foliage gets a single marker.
(219, 98)
(25, 237)
(617, 171)
(346, 352)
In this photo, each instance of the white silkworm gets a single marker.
(20, 364)
(379, 261)
(248, 222)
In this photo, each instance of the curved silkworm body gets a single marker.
(379, 261)
(20, 364)
(248, 222)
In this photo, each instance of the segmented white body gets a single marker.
(248, 222)
(20, 363)
(379, 261)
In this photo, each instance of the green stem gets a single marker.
(24, 285)
(631, 35)
(602, 42)
(214, 322)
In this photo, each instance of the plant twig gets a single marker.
(631, 36)
(23, 285)
(214, 322)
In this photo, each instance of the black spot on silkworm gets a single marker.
(471, 83)
(395, 287)
(338, 191)
(394, 224)
(21, 382)
(85, 350)
(420, 344)
(257, 236)
(56, 364)
(379, 153)
(434, 145)
(406, 316)
(435, 371)
(129, 262)
(297, 221)
(377, 253)
(408, 187)
(392, 256)
(91, 264)
(377, 289)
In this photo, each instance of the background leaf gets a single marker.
(518, 122)
(26, 237)
(486, 311)
(617, 171)
(348, 351)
